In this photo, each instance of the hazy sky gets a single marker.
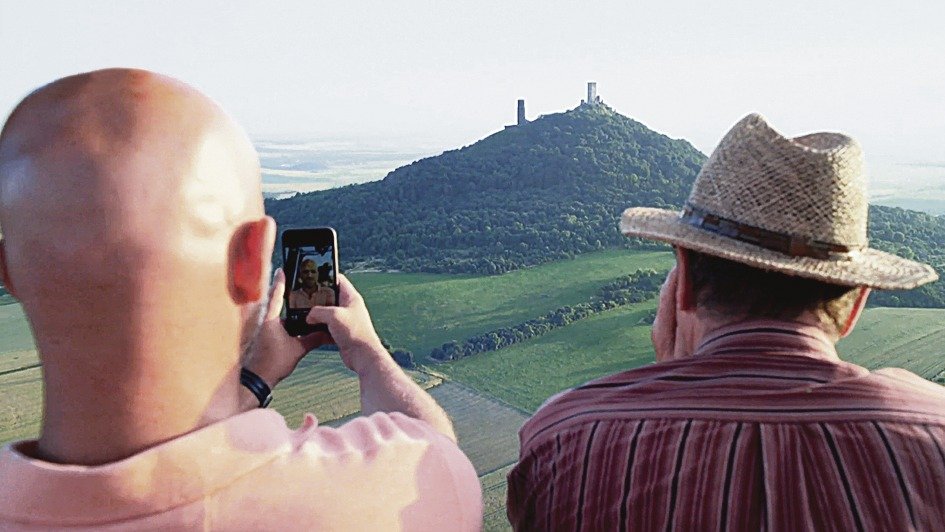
(447, 73)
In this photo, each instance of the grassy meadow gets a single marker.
(908, 338)
(527, 373)
(422, 311)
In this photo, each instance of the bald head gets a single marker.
(136, 180)
(123, 157)
(149, 195)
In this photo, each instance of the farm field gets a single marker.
(21, 404)
(487, 429)
(494, 492)
(422, 311)
(323, 386)
(527, 373)
(913, 339)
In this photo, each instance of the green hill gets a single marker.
(549, 189)
(535, 193)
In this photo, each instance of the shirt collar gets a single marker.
(785, 337)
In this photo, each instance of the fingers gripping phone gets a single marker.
(310, 264)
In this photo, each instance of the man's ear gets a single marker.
(856, 311)
(4, 270)
(249, 258)
(685, 297)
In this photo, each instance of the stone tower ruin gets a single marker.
(521, 113)
(592, 98)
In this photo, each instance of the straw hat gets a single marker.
(796, 206)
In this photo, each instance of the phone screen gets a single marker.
(310, 263)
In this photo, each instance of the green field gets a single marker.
(913, 339)
(526, 374)
(15, 332)
(422, 311)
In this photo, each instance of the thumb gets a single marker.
(326, 315)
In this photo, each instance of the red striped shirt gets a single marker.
(763, 428)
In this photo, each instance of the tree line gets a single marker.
(632, 288)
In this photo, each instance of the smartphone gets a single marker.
(310, 264)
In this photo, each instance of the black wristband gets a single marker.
(257, 386)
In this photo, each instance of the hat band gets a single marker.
(791, 245)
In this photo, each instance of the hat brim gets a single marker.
(867, 267)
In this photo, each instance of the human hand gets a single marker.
(349, 324)
(663, 333)
(274, 353)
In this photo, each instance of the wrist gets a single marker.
(268, 376)
(257, 387)
(369, 357)
(247, 399)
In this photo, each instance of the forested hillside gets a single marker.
(914, 235)
(550, 189)
(525, 195)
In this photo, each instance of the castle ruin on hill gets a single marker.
(592, 99)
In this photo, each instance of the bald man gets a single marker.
(312, 293)
(146, 424)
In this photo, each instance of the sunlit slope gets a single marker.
(422, 311)
(899, 337)
(526, 374)
(322, 385)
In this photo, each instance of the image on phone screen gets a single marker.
(310, 264)
(313, 279)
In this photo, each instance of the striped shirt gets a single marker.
(763, 428)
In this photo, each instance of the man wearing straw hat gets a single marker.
(749, 419)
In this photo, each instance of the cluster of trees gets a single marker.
(914, 235)
(403, 357)
(632, 288)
